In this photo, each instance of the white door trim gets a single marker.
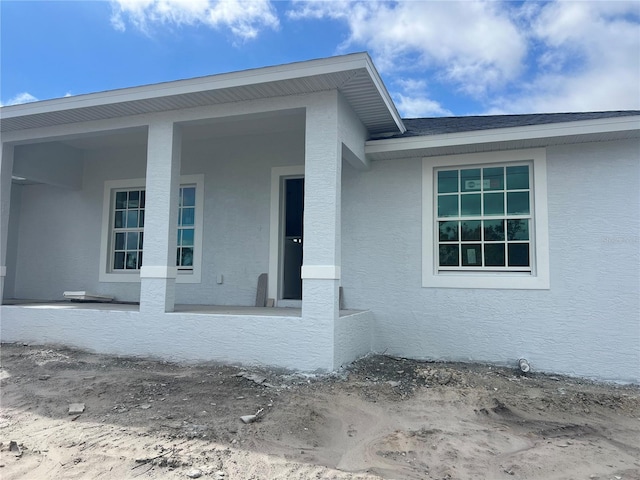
(277, 173)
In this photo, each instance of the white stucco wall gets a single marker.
(587, 324)
(58, 230)
(285, 341)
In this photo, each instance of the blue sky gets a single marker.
(436, 58)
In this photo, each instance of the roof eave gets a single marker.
(421, 145)
(246, 78)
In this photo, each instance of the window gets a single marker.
(485, 220)
(123, 230)
(186, 228)
(128, 227)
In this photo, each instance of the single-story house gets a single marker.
(484, 238)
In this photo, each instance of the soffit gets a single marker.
(353, 75)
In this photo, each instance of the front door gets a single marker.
(292, 237)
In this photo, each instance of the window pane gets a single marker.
(141, 219)
(132, 240)
(132, 260)
(118, 261)
(470, 180)
(187, 257)
(471, 255)
(140, 241)
(494, 231)
(188, 196)
(518, 177)
(493, 204)
(494, 255)
(448, 206)
(132, 219)
(121, 200)
(470, 204)
(493, 178)
(449, 256)
(187, 237)
(179, 239)
(134, 199)
(188, 216)
(517, 229)
(471, 230)
(448, 181)
(118, 219)
(139, 259)
(517, 203)
(142, 198)
(518, 254)
(119, 243)
(448, 231)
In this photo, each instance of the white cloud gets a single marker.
(589, 59)
(475, 45)
(414, 101)
(245, 18)
(24, 97)
(509, 57)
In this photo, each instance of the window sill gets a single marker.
(134, 277)
(468, 280)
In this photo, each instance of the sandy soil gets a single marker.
(383, 417)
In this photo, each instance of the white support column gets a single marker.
(6, 170)
(323, 172)
(158, 272)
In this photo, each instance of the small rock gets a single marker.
(248, 418)
(145, 406)
(13, 447)
(44, 377)
(195, 473)
(76, 408)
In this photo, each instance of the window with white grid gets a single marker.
(485, 220)
(483, 217)
(121, 250)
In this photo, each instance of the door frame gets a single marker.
(276, 230)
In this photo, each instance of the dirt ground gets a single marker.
(383, 417)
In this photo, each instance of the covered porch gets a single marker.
(174, 202)
(277, 337)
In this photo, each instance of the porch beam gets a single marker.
(158, 273)
(6, 170)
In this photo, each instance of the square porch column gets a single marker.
(158, 272)
(6, 170)
(321, 258)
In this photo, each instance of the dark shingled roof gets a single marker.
(441, 125)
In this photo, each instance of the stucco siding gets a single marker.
(587, 324)
(59, 230)
(285, 341)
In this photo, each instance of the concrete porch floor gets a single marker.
(196, 309)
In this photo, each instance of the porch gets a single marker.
(275, 336)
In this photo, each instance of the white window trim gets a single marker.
(194, 276)
(538, 278)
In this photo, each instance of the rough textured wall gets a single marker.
(587, 324)
(237, 195)
(59, 230)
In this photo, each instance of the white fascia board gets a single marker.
(549, 130)
(200, 84)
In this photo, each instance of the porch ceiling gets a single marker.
(353, 75)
